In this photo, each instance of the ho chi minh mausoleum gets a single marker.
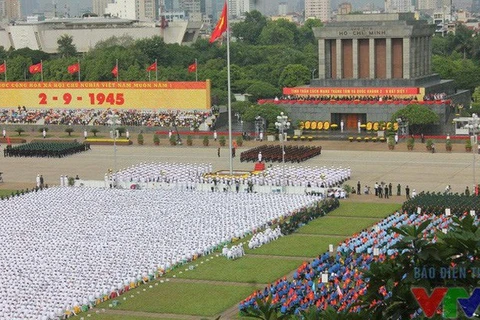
(370, 66)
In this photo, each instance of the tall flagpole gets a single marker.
(41, 69)
(116, 64)
(156, 70)
(5, 62)
(229, 91)
(196, 70)
(78, 62)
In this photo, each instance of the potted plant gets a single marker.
(189, 141)
(410, 143)
(69, 130)
(140, 139)
(239, 141)
(156, 139)
(19, 131)
(205, 141)
(299, 130)
(448, 145)
(366, 139)
(350, 139)
(94, 131)
(359, 139)
(429, 144)
(391, 143)
(271, 130)
(173, 140)
(468, 145)
(223, 141)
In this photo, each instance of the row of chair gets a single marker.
(274, 153)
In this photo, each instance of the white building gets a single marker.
(99, 6)
(395, 6)
(87, 32)
(318, 9)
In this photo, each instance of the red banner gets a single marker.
(360, 91)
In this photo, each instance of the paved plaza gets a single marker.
(369, 163)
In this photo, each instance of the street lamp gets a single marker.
(473, 126)
(113, 121)
(282, 124)
(313, 73)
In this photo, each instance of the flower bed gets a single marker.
(13, 140)
(108, 141)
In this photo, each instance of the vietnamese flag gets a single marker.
(115, 71)
(35, 68)
(74, 68)
(221, 26)
(3, 68)
(192, 67)
(152, 67)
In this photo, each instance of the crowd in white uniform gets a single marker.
(188, 175)
(65, 247)
(264, 237)
(164, 172)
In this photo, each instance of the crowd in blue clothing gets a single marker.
(335, 278)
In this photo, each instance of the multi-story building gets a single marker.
(143, 10)
(12, 9)
(426, 4)
(475, 6)
(190, 6)
(282, 8)
(392, 6)
(318, 9)
(29, 7)
(344, 8)
(99, 6)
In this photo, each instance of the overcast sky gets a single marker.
(78, 6)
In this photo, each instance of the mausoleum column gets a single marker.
(371, 57)
(339, 58)
(388, 58)
(355, 58)
(406, 58)
(322, 56)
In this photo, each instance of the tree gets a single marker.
(250, 29)
(262, 90)
(66, 48)
(267, 111)
(463, 40)
(294, 75)
(69, 130)
(276, 34)
(418, 117)
(306, 35)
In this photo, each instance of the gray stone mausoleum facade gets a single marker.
(376, 56)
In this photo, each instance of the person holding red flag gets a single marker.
(221, 26)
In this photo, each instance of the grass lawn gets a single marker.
(371, 210)
(111, 316)
(203, 299)
(337, 225)
(249, 269)
(296, 245)
(7, 192)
